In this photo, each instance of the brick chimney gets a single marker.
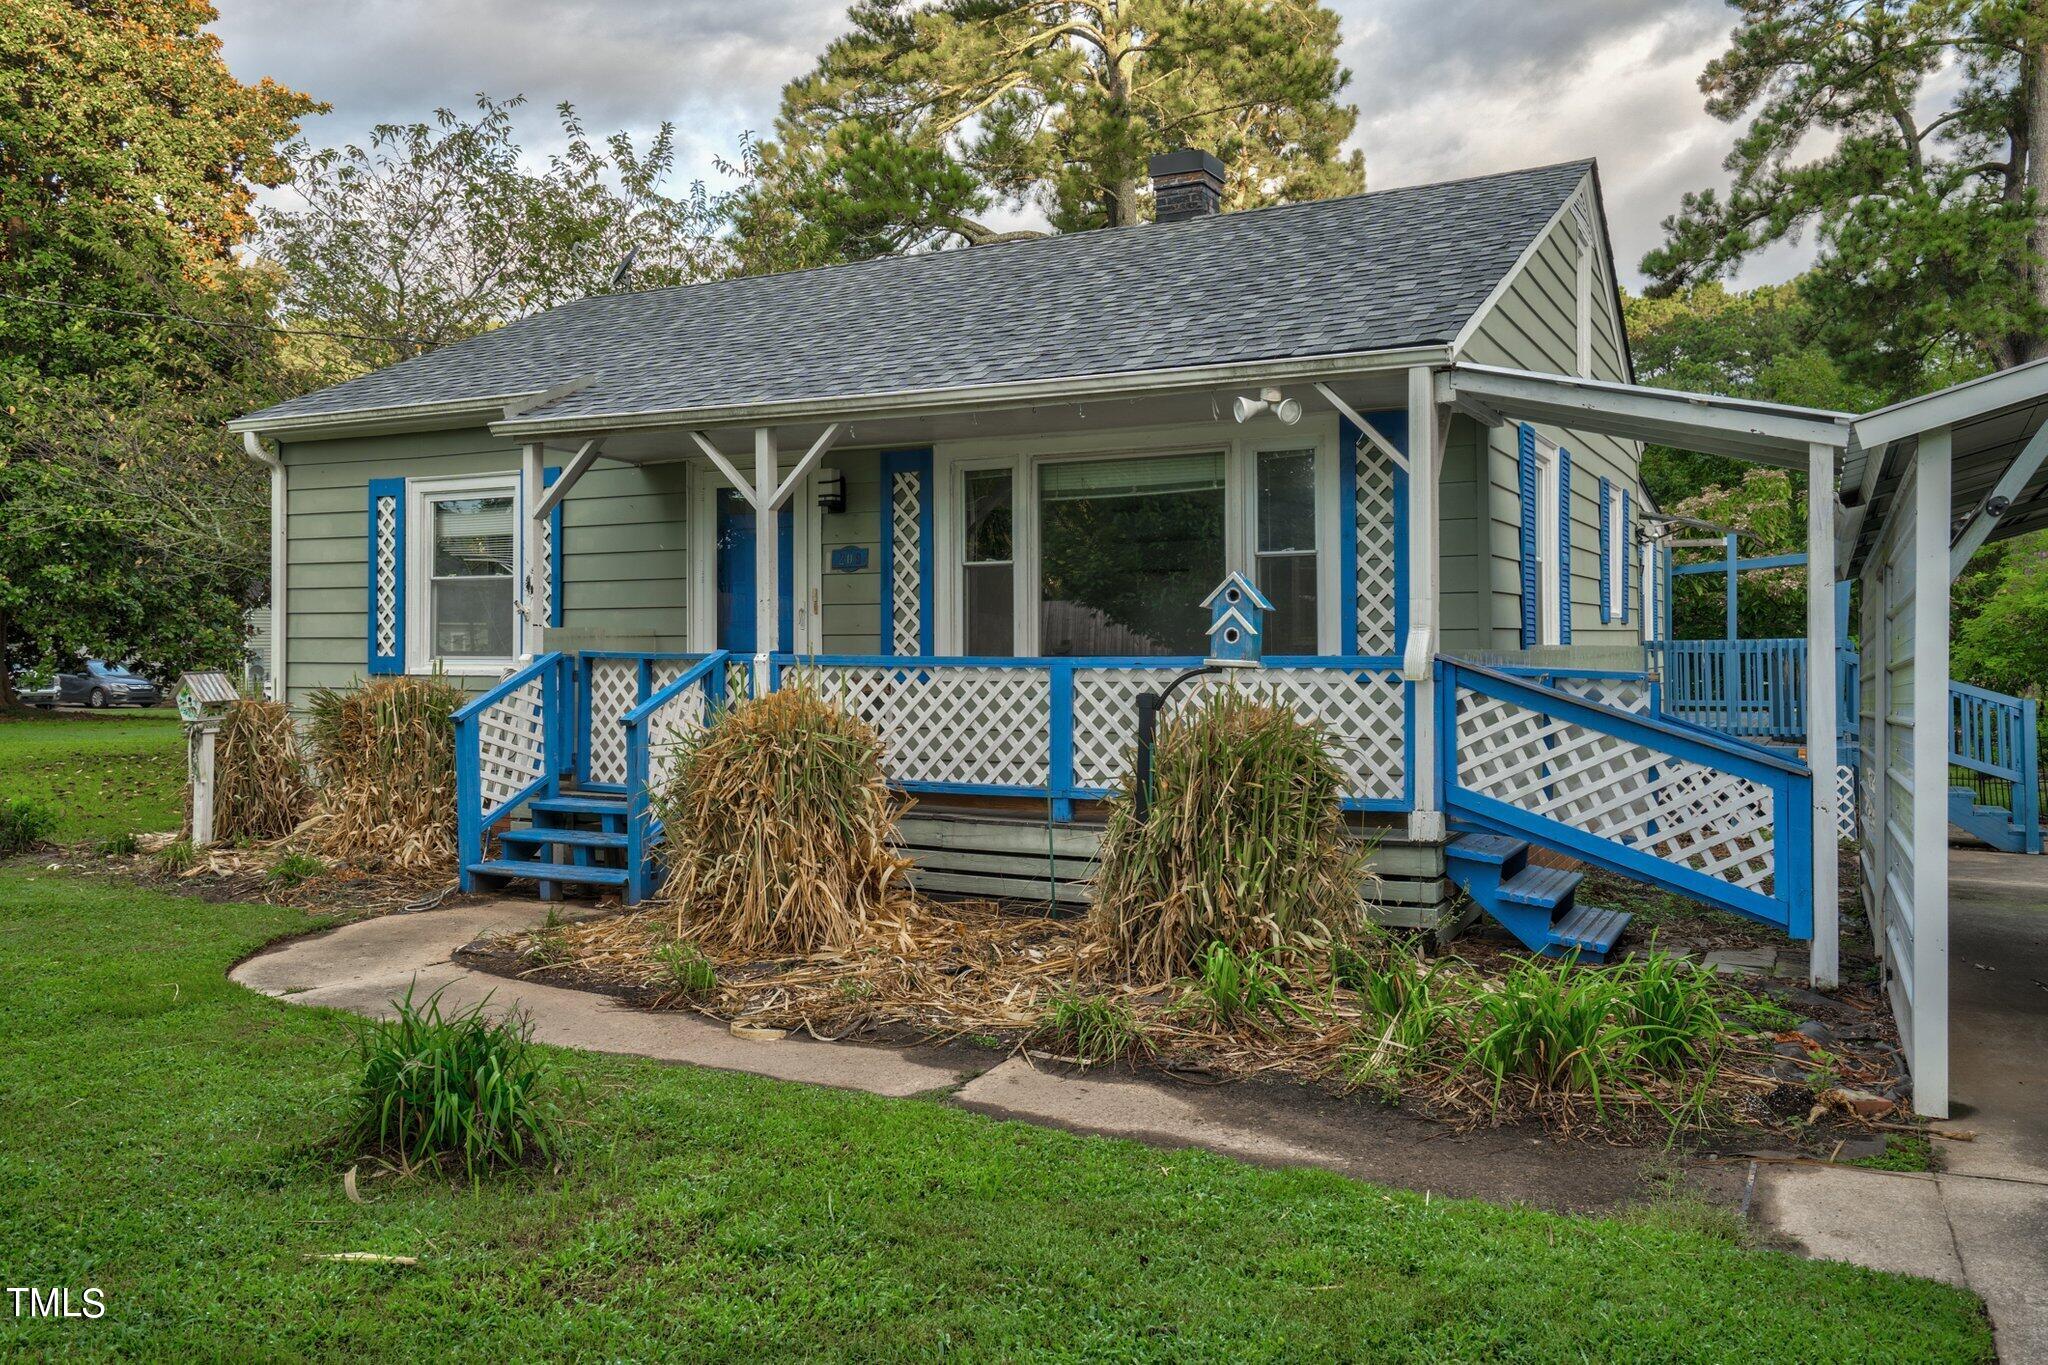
(1185, 184)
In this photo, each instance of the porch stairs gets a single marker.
(1995, 825)
(576, 838)
(1538, 905)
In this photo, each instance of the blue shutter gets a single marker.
(1628, 546)
(1606, 551)
(1526, 446)
(906, 552)
(548, 479)
(1564, 546)
(384, 618)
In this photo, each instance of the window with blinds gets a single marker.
(471, 592)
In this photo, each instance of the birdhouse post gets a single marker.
(1237, 614)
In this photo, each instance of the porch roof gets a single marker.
(1379, 272)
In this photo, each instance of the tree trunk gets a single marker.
(2034, 91)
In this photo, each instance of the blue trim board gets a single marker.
(917, 460)
(785, 578)
(548, 479)
(393, 662)
(1606, 550)
(1628, 546)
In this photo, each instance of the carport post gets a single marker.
(767, 560)
(1822, 694)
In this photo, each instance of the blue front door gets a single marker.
(736, 574)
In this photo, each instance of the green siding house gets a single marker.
(980, 496)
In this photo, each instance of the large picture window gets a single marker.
(1287, 549)
(1128, 548)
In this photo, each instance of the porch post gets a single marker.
(1425, 449)
(1927, 913)
(1822, 694)
(530, 494)
(766, 557)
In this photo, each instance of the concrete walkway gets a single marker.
(1983, 1222)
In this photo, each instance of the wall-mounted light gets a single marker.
(1287, 410)
(831, 490)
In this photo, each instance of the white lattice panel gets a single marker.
(614, 688)
(1845, 802)
(948, 723)
(1621, 694)
(670, 729)
(1361, 712)
(906, 562)
(1671, 808)
(386, 570)
(511, 745)
(544, 575)
(1376, 568)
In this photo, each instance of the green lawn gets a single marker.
(105, 773)
(161, 1138)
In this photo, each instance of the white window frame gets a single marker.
(1550, 548)
(420, 496)
(1652, 586)
(1616, 586)
(1024, 456)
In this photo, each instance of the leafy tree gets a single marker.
(1769, 507)
(931, 111)
(1998, 624)
(438, 231)
(128, 160)
(1933, 228)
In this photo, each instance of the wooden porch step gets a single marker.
(541, 836)
(1488, 848)
(581, 805)
(1541, 888)
(550, 872)
(1587, 930)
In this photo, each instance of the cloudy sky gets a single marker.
(1444, 88)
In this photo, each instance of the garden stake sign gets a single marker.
(1237, 610)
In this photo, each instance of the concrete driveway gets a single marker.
(1983, 1222)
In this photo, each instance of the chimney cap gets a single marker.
(1185, 161)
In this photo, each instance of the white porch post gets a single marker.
(530, 494)
(1822, 691)
(1425, 448)
(1930, 736)
(766, 558)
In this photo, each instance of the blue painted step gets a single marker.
(1538, 905)
(606, 808)
(1992, 824)
(551, 872)
(543, 836)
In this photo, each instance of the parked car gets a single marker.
(97, 684)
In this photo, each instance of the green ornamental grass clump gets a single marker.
(1245, 843)
(1095, 1028)
(462, 1089)
(24, 823)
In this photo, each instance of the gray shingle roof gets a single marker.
(1387, 269)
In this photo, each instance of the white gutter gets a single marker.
(400, 415)
(930, 402)
(252, 445)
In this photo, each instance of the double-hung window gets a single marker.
(466, 566)
(1286, 549)
(988, 571)
(1617, 551)
(1551, 552)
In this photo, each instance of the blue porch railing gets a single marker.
(1751, 689)
(1998, 736)
(511, 743)
(654, 730)
(1727, 823)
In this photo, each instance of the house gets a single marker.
(980, 496)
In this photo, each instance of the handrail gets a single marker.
(668, 691)
(641, 826)
(1160, 661)
(510, 683)
(471, 818)
(1553, 698)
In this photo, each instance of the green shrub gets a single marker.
(1405, 1010)
(1672, 1002)
(1237, 986)
(1757, 1013)
(1095, 1028)
(460, 1088)
(176, 856)
(1244, 843)
(1560, 1026)
(24, 823)
(116, 846)
(688, 972)
(293, 869)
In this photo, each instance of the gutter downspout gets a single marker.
(252, 446)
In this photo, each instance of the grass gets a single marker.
(1095, 1028)
(105, 774)
(167, 1136)
(1902, 1152)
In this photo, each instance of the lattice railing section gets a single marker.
(906, 562)
(1376, 567)
(386, 571)
(674, 723)
(543, 574)
(960, 724)
(1715, 823)
(1361, 711)
(613, 688)
(1622, 694)
(1845, 802)
(511, 745)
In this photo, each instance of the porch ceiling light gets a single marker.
(1287, 410)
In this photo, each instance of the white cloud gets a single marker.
(1445, 88)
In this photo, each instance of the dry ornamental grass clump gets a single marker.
(261, 788)
(386, 756)
(1245, 844)
(778, 828)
